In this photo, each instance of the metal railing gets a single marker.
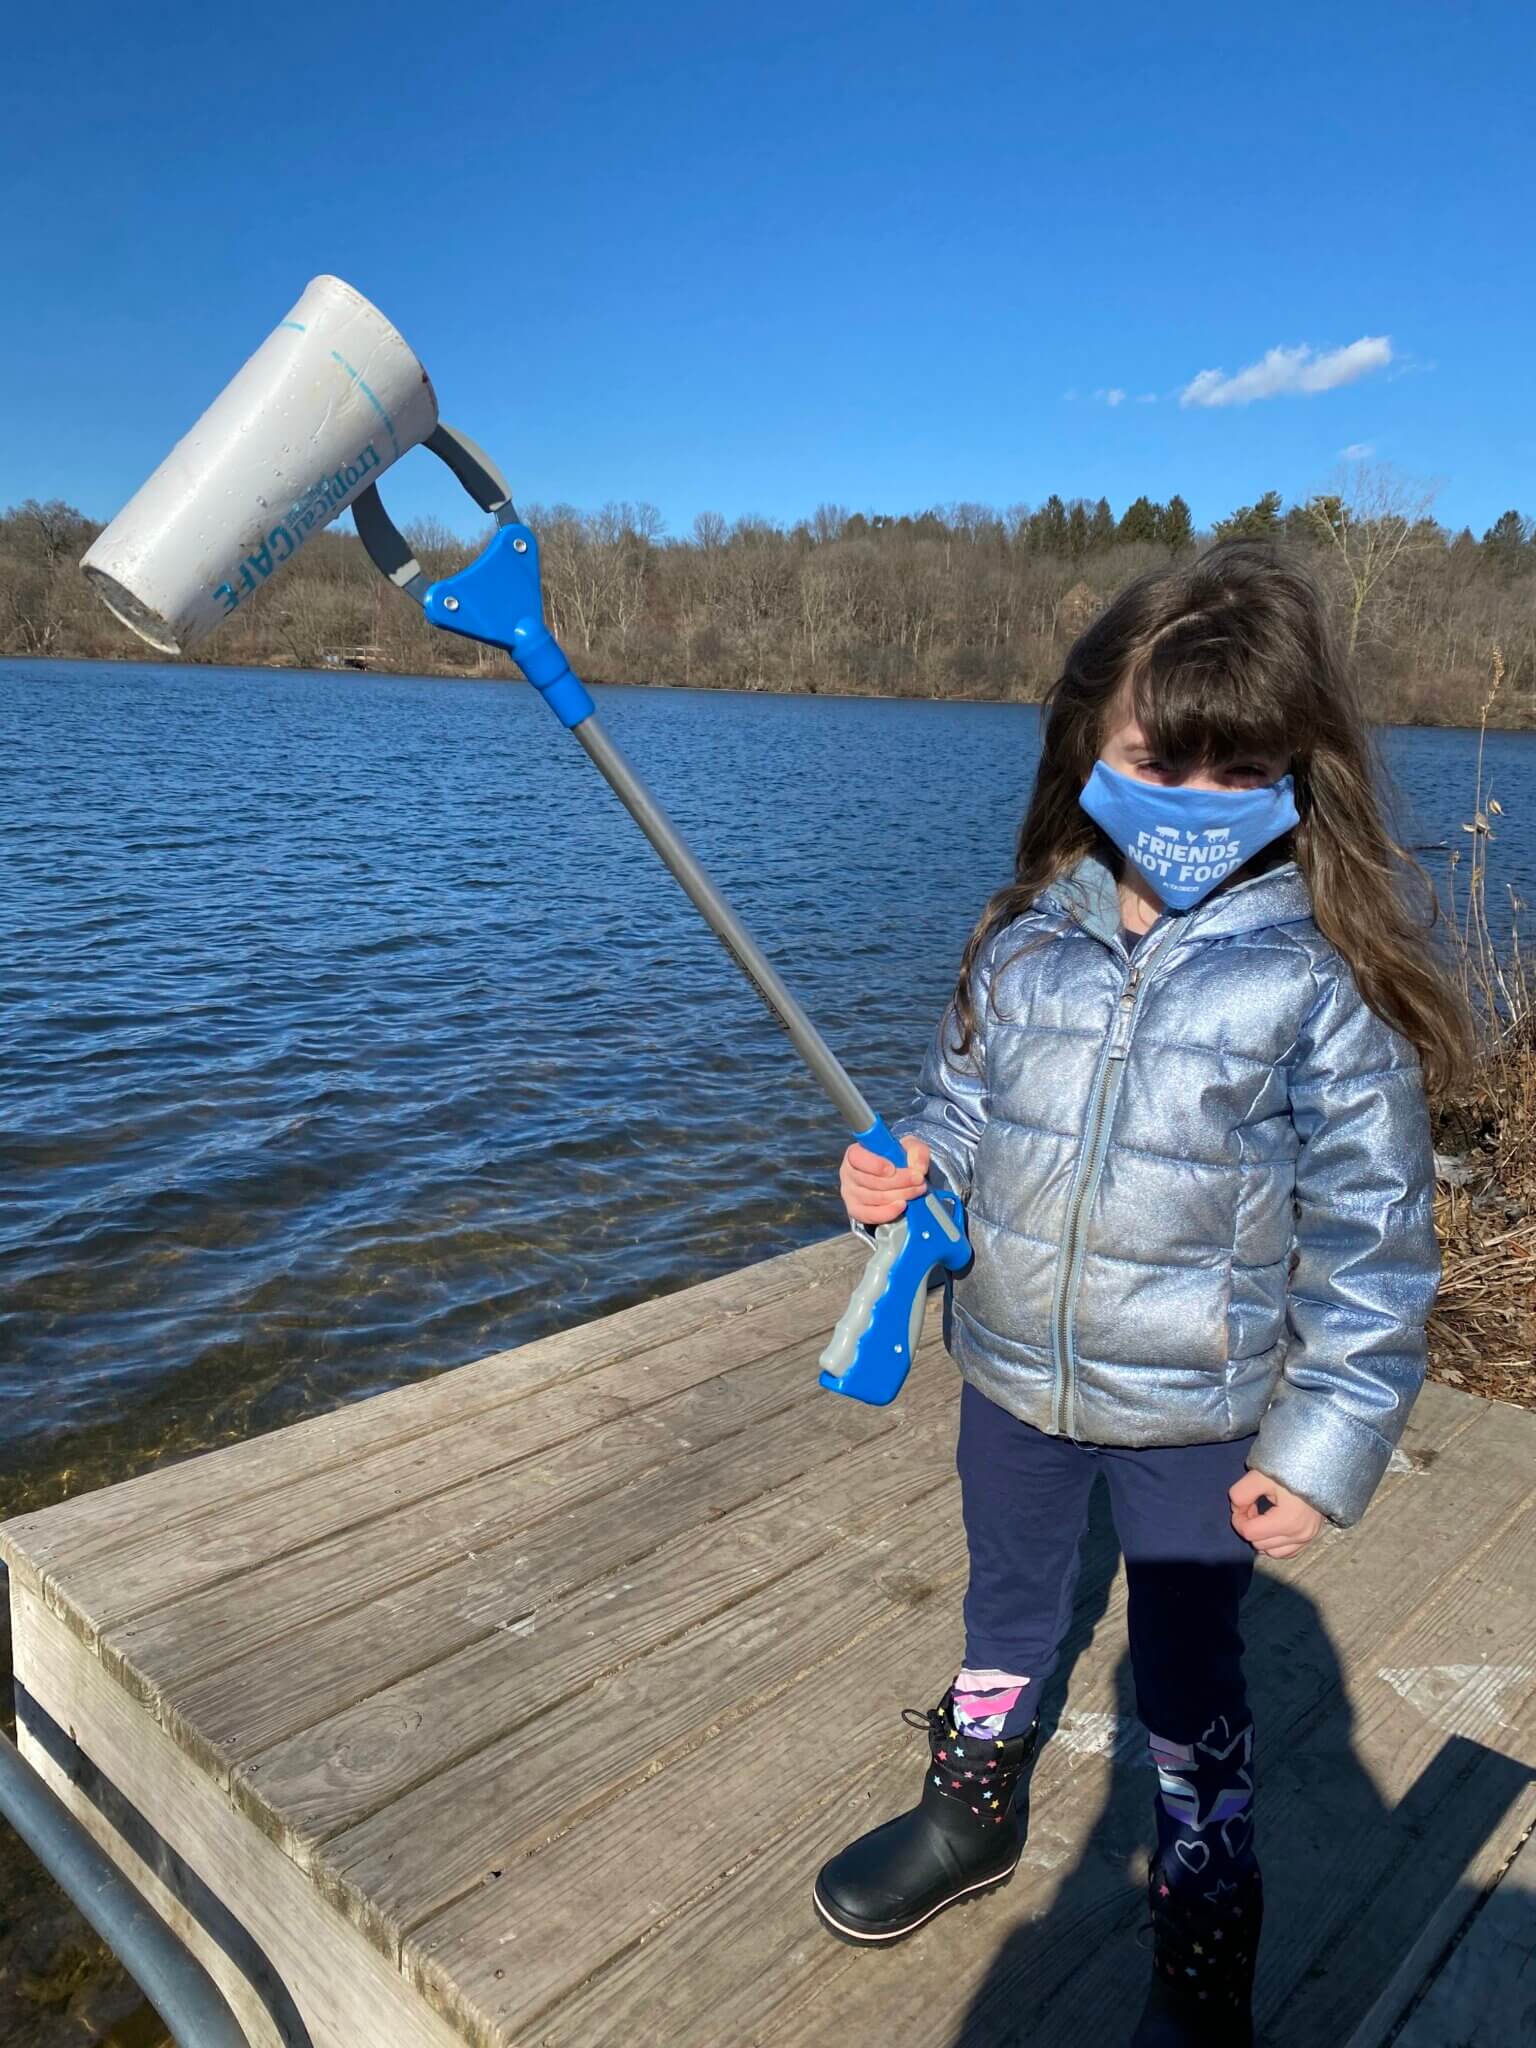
(164, 1968)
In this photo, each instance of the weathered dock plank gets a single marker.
(334, 1775)
(521, 1706)
(1485, 1994)
(190, 1634)
(325, 1660)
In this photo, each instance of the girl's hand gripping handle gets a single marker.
(872, 1346)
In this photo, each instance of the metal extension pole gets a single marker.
(497, 600)
(160, 1963)
(727, 927)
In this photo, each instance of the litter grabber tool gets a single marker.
(332, 398)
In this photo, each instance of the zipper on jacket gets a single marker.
(1120, 1032)
(1115, 1050)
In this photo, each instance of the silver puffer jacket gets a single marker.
(1199, 1185)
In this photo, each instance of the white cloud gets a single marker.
(1357, 451)
(1147, 398)
(1111, 397)
(1290, 373)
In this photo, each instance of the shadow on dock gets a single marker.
(1326, 1839)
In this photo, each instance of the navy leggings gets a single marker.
(1025, 1495)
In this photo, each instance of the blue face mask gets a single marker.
(1187, 841)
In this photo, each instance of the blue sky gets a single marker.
(751, 261)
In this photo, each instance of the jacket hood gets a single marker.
(1091, 897)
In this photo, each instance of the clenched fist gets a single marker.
(1290, 1525)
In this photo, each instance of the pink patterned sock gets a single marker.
(984, 1700)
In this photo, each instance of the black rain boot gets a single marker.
(1205, 1944)
(964, 1837)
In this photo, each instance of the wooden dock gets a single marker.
(521, 1706)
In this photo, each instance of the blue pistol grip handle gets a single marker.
(870, 1352)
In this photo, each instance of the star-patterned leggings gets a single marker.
(1024, 1496)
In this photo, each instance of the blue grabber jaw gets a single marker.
(498, 598)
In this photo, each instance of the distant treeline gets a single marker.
(963, 601)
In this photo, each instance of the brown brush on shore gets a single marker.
(1483, 1331)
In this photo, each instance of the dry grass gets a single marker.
(1483, 1331)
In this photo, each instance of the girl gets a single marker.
(1181, 1089)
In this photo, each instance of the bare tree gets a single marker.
(1372, 519)
(818, 604)
(55, 530)
(438, 548)
(32, 626)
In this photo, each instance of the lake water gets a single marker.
(350, 1031)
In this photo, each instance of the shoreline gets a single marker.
(501, 671)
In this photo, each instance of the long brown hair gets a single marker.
(1225, 657)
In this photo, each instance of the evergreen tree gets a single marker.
(1465, 556)
(1253, 522)
(1326, 512)
(1101, 527)
(1139, 521)
(1048, 527)
(1300, 528)
(1507, 545)
(1077, 530)
(1175, 526)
